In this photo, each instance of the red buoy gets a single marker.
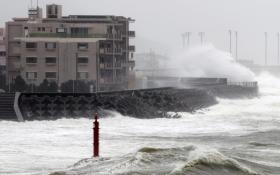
(96, 137)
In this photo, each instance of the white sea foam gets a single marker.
(208, 61)
(44, 146)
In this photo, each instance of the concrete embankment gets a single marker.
(145, 103)
(233, 90)
(149, 103)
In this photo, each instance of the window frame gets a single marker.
(81, 73)
(35, 75)
(50, 57)
(27, 47)
(82, 46)
(27, 62)
(51, 48)
(52, 77)
(83, 57)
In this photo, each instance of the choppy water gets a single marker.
(235, 137)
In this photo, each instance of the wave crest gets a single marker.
(191, 160)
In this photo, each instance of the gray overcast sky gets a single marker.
(163, 21)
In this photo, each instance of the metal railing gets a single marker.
(110, 51)
(243, 84)
(65, 35)
(131, 34)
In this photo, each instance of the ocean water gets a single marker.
(235, 137)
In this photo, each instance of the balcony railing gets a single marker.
(131, 34)
(106, 65)
(114, 36)
(110, 51)
(65, 35)
(110, 66)
(129, 64)
(119, 80)
(131, 48)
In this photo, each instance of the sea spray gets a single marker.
(208, 61)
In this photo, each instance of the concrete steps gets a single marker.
(7, 106)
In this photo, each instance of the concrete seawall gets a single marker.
(149, 103)
(145, 103)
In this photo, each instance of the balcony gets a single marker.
(109, 81)
(110, 66)
(131, 34)
(110, 51)
(114, 37)
(65, 35)
(129, 64)
(106, 65)
(131, 49)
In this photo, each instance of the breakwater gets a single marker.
(148, 103)
(144, 103)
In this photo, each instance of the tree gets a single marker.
(82, 87)
(67, 86)
(19, 84)
(48, 87)
(2, 81)
(53, 87)
(76, 86)
(44, 86)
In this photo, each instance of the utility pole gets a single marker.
(185, 36)
(230, 38)
(188, 38)
(278, 51)
(265, 39)
(201, 34)
(236, 46)
(184, 40)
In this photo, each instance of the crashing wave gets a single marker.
(189, 160)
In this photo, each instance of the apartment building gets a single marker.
(76, 47)
(2, 49)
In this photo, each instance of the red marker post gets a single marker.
(96, 137)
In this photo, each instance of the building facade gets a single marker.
(2, 48)
(76, 47)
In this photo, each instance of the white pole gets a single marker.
(265, 35)
(236, 47)
(230, 38)
(278, 52)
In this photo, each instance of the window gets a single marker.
(31, 75)
(43, 29)
(82, 46)
(79, 32)
(50, 60)
(82, 75)
(60, 30)
(39, 29)
(50, 46)
(2, 53)
(82, 60)
(31, 45)
(31, 60)
(50, 75)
